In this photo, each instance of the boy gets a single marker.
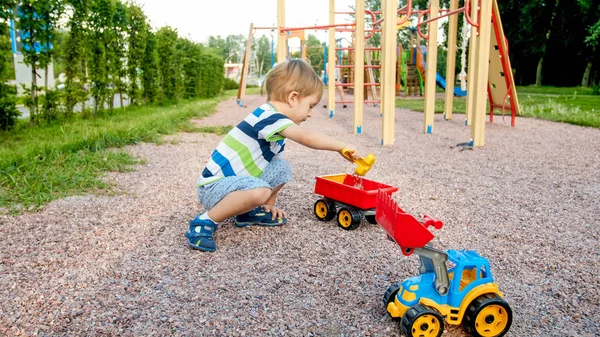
(246, 170)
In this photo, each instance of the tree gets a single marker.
(8, 111)
(262, 45)
(118, 36)
(76, 56)
(151, 91)
(314, 53)
(592, 38)
(100, 51)
(192, 54)
(167, 70)
(137, 29)
(29, 25)
(231, 48)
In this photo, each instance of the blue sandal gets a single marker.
(259, 217)
(200, 234)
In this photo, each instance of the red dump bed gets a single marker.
(351, 190)
(408, 232)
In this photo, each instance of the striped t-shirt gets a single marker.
(249, 147)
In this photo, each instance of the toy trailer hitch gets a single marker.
(434, 260)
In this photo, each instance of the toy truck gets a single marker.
(465, 294)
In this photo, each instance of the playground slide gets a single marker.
(442, 83)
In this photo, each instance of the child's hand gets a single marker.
(350, 154)
(276, 213)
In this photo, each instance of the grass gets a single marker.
(41, 164)
(574, 105)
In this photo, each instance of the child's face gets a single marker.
(301, 108)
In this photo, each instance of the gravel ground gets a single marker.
(119, 265)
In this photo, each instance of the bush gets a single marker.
(211, 75)
(8, 110)
(230, 84)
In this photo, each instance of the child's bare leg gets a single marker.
(269, 205)
(239, 202)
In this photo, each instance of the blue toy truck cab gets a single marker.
(469, 296)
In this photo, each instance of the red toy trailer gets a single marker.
(355, 197)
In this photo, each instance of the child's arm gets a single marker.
(318, 141)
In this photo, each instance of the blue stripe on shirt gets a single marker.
(269, 121)
(206, 173)
(265, 147)
(258, 112)
(220, 160)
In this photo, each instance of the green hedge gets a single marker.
(211, 75)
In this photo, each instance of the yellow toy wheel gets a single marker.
(324, 209)
(421, 321)
(349, 218)
(488, 316)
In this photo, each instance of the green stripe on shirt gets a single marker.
(271, 137)
(244, 154)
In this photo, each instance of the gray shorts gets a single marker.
(278, 172)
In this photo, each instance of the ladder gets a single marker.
(371, 75)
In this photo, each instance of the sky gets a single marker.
(199, 19)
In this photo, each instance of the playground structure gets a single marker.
(464, 294)
(490, 74)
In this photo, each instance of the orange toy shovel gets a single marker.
(364, 164)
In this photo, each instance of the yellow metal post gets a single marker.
(245, 67)
(381, 72)
(359, 66)
(389, 68)
(451, 60)
(430, 71)
(331, 61)
(471, 64)
(281, 36)
(481, 76)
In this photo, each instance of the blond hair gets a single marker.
(292, 75)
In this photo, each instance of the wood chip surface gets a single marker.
(119, 265)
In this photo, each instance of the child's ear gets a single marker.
(293, 98)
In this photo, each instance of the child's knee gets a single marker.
(261, 195)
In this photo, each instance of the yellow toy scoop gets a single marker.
(364, 164)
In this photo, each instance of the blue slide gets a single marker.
(442, 83)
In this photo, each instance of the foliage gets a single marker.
(262, 45)
(594, 38)
(192, 53)
(29, 25)
(118, 71)
(8, 111)
(100, 50)
(151, 90)
(231, 48)
(211, 75)
(167, 71)
(50, 102)
(229, 84)
(76, 55)
(58, 160)
(314, 53)
(137, 31)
